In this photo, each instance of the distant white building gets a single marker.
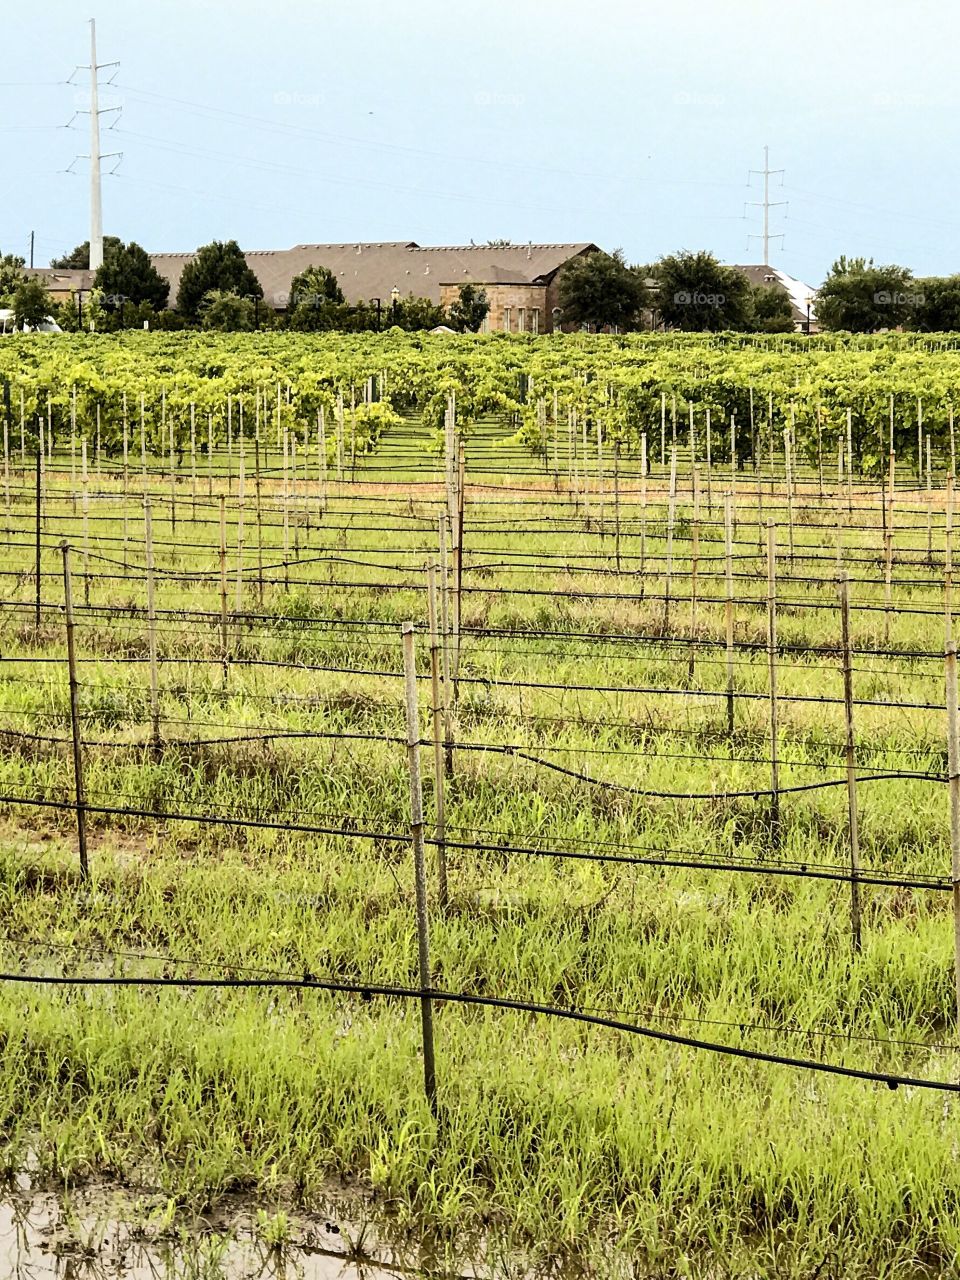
(802, 296)
(8, 324)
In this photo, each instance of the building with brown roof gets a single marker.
(62, 283)
(802, 296)
(520, 281)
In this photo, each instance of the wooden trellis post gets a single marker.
(728, 602)
(851, 759)
(419, 862)
(709, 453)
(671, 518)
(953, 767)
(948, 562)
(37, 522)
(224, 653)
(80, 804)
(151, 627)
(772, 672)
(643, 501)
(437, 710)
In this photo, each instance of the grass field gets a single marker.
(583, 688)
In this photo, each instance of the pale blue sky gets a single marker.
(632, 124)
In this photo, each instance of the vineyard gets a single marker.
(513, 781)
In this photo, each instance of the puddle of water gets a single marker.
(107, 1233)
(94, 1235)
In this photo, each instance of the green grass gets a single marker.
(552, 1138)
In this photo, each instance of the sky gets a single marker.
(628, 123)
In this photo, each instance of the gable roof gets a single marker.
(802, 296)
(371, 270)
(62, 279)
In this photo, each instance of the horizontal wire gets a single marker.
(801, 870)
(369, 989)
(740, 1024)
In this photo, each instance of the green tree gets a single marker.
(128, 273)
(65, 315)
(939, 307)
(358, 319)
(771, 310)
(861, 297)
(112, 312)
(226, 311)
(79, 258)
(316, 300)
(599, 289)
(31, 304)
(216, 267)
(413, 313)
(470, 310)
(169, 321)
(11, 275)
(696, 292)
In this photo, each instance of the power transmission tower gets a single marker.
(766, 204)
(95, 157)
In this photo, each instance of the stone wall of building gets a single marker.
(514, 308)
(553, 301)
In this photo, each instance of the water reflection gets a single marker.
(43, 1237)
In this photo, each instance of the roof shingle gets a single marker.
(370, 270)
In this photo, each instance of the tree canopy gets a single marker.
(599, 289)
(470, 310)
(31, 304)
(315, 300)
(128, 273)
(315, 286)
(219, 266)
(412, 313)
(938, 307)
(698, 293)
(11, 275)
(771, 310)
(861, 297)
(79, 258)
(226, 311)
